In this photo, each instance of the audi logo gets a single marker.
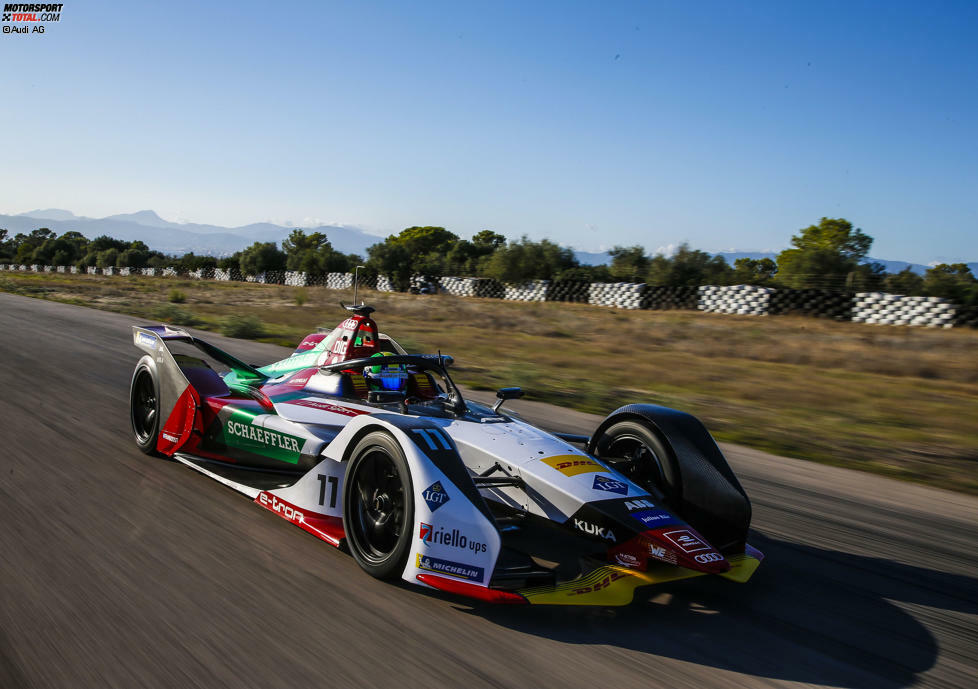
(709, 557)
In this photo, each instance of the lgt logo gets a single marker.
(435, 495)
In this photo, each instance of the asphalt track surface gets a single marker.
(117, 570)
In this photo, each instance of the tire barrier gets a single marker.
(819, 303)
(966, 317)
(661, 298)
(294, 279)
(460, 287)
(863, 307)
(621, 295)
(895, 309)
(748, 300)
(535, 290)
(488, 288)
(576, 291)
(339, 280)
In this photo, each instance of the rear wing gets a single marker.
(153, 338)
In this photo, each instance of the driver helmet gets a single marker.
(392, 377)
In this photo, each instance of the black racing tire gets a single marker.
(144, 406)
(378, 506)
(637, 450)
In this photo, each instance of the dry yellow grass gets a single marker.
(898, 401)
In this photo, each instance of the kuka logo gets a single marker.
(595, 530)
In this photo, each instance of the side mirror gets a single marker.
(506, 394)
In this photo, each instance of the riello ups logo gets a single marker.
(33, 16)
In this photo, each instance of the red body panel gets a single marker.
(329, 529)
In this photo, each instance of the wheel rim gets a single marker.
(143, 406)
(633, 457)
(378, 505)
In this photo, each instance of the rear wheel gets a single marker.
(378, 506)
(144, 407)
(635, 449)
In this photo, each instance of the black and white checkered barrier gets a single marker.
(296, 279)
(660, 298)
(622, 295)
(864, 307)
(534, 290)
(894, 309)
(339, 280)
(576, 291)
(966, 317)
(749, 300)
(819, 303)
(460, 287)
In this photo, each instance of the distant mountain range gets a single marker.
(180, 238)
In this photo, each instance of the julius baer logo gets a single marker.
(31, 15)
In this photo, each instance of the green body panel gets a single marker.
(295, 362)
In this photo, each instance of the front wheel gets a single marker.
(144, 406)
(635, 449)
(378, 506)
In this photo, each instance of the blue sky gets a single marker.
(593, 124)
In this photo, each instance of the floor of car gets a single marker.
(258, 479)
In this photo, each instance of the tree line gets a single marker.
(309, 253)
(828, 255)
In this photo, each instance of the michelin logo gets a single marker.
(146, 340)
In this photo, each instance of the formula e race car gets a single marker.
(373, 449)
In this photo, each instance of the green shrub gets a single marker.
(177, 297)
(300, 296)
(244, 327)
(170, 313)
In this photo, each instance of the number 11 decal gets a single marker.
(333, 483)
